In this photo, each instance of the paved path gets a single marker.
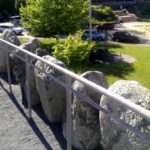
(140, 29)
(17, 132)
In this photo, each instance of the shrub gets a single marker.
(73, 50)
(104, 14)
(48, 43)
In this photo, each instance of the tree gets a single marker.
(18, 3)
(51, 17)
(103, 14)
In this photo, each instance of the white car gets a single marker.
(10, 26)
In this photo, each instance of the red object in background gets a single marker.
(106, 26)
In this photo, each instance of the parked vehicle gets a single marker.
(124, 36)
(95, 35)
(15, 20)
(105, 26)
(10, 26)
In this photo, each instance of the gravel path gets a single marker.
(17, 132)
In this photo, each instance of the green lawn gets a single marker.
(138, 71)
(23, 40)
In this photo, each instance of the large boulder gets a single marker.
(31, 45)
(34, 95)
(115, 136)
(41, 52)
(12, 38)
(19, 68)
(52, 94)
(86, 127)
(3, 60)
(18, 65)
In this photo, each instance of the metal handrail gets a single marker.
(69, 76)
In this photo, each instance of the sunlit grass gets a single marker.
(23, 40)
(138, 70)
(141, 71)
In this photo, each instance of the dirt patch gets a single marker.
(118, 57)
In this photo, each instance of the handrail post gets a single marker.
(69, 118)
(28, 84)
(8, 72)
(42, 64)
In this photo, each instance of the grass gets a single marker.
(138, 70)
(48, 43)
(23, 40)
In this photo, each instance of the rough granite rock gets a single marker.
(19, 69)
(115, 136)
(3, 62)
(34, 95)
(31, 45)
(52, 94)
(86, 127)
(12, 38)
(41, 52)
(18, 65)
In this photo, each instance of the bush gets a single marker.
(73, 50)
(104, 14)
(48, 43)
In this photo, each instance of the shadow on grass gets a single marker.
(119, 69)
(107, 45)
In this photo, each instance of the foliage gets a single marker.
(18, 4)
(51, 17)
(23, 40)
(48, 43)
(73, 50)
(103, 14)
(144, 10)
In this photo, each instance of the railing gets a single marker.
(68, 85)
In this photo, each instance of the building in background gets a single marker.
(117, 2)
